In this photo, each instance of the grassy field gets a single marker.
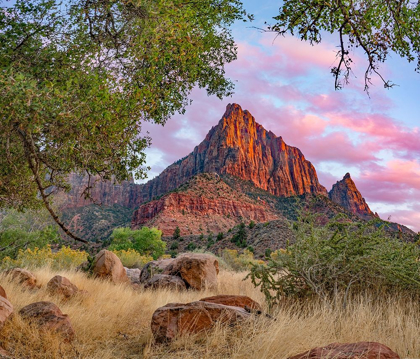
(114, 322)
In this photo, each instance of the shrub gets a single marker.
(65, 258)
(146, 241)
(240, 262)
(251, 224)
(220, 236)
(132, 259)
(340, 257)
(191, 246)
(177, 233)
(240, 237)
(174, 246)
(268, 252)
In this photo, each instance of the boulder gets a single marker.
(199, 271)
(176, 319)
(361, 350)
(133, 274)
(241, 301)
(154, 267)
(5, 354)
(2, 292)
(6, 310)
(107, 265)
(24, 277)
(164, 281)
(62, 286)
(48, 317)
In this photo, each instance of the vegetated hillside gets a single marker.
(202, 205)
(96, 222)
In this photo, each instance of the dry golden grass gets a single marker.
(114, 322)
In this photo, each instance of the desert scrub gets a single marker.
(240, 262)
(65, 258)
(339, 257)
(132, 259)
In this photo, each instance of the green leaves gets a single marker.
(77, 80)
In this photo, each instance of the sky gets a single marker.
(287, 86)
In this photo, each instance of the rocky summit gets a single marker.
(239, 173)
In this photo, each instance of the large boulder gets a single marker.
(6, 310)
(361, 350)
(62, 286)
(133, 274)
(164, 281)
(48, 317)
(24, 277)
(241, 301)
(154, 267)
(176, 319)
(107, 265)
(3, 292)
(199, 271)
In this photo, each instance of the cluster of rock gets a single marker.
(188, 271)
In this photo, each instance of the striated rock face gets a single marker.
(346, 194)
(126, 194)
(205, 203)
(241, 147)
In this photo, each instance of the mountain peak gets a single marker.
(346, 194)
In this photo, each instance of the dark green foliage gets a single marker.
(145, 241)
(340, 257)
(251, 249)
(201, 236)
(177, 233)
(220, 236)
(174, 245)
(240, 236)
(210, 237)
(268, 252)
(210, 242)
(251, 224)
(191, 246)
(173, 254)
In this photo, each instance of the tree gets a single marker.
(377, 27)
(78, 79)
(177, 233)
(146, 241)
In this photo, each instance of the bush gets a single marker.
(251, 224)
(177, 233)
(340, 257)
(146, 241)
(191, 246)
(240, 237)
(220, 236)
(240, 262)
(174, 246)
(132, 259)
(65, 258)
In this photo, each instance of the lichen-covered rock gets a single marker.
(241, 301)
(108, 266)
(154, 267)
(133, 274)
(62, 286)
(176, 319)
(164, 281)
(6, 310)
(24, 277)
(48, 316)
(361, 350)
(199, 271)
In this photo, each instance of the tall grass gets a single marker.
(113, 321)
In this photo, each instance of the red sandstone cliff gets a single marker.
(242, 148)
(346, 194)
(204, 204)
